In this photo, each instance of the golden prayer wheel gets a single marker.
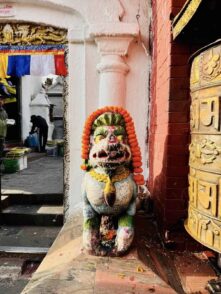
(204, 212)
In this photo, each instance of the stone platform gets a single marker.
(148, 268)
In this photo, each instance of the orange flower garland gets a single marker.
(132, 138)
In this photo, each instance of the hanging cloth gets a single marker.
(18, 65)
(3, 65)
(39, 60)
(60, 67)
(42, 65)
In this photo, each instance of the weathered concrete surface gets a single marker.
(148, 268)
(67, 269)
(43, 176)
(28, 236)
(11, 280)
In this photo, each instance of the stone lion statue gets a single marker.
(112, 161)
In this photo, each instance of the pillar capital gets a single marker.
(113, 45)
(114, 38)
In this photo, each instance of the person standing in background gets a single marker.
(40, 125)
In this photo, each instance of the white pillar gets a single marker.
(112, 87)
(113, 41)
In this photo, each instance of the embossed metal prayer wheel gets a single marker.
(204, 212)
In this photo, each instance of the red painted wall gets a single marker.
(169, 125)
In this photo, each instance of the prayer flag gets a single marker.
(42, 65)
(60, 68)
(3, 65)
(18, 65)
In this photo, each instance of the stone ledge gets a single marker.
(147, 268)
(66, 269)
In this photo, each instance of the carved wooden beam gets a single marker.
(30, 34)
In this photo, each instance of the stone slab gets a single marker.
(43, 176)
(194, 271)
(28, 236)
(147, 268)
(67, 269)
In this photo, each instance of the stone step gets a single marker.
(5, 202)
(29, 198)
(27, 240)
(37, 215)
(24, 250)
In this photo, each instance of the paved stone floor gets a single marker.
(27, 236)
(44, 175)
(148, 268)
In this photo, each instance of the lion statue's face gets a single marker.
(109, 147)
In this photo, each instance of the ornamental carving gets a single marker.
(205, 150)
(205, 114)
(113, 179)
(204, 229)
(210, 65)
(204, 213)
(194, 76)
(203, 195)
(30, 34)
(194, 114)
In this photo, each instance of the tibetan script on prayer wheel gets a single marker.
(204, 212)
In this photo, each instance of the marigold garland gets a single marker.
(132, 139)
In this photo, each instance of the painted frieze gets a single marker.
(31, 34)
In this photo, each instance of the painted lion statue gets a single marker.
(112, 161)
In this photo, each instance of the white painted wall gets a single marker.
(137, 92)
(78, 16)
(76, 117)
(30, 86)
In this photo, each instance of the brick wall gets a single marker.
(169, 125)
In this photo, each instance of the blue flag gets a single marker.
(18, 65)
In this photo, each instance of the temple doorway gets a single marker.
(33, 72)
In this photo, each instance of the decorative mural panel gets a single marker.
(204, 214)
(31, 34)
